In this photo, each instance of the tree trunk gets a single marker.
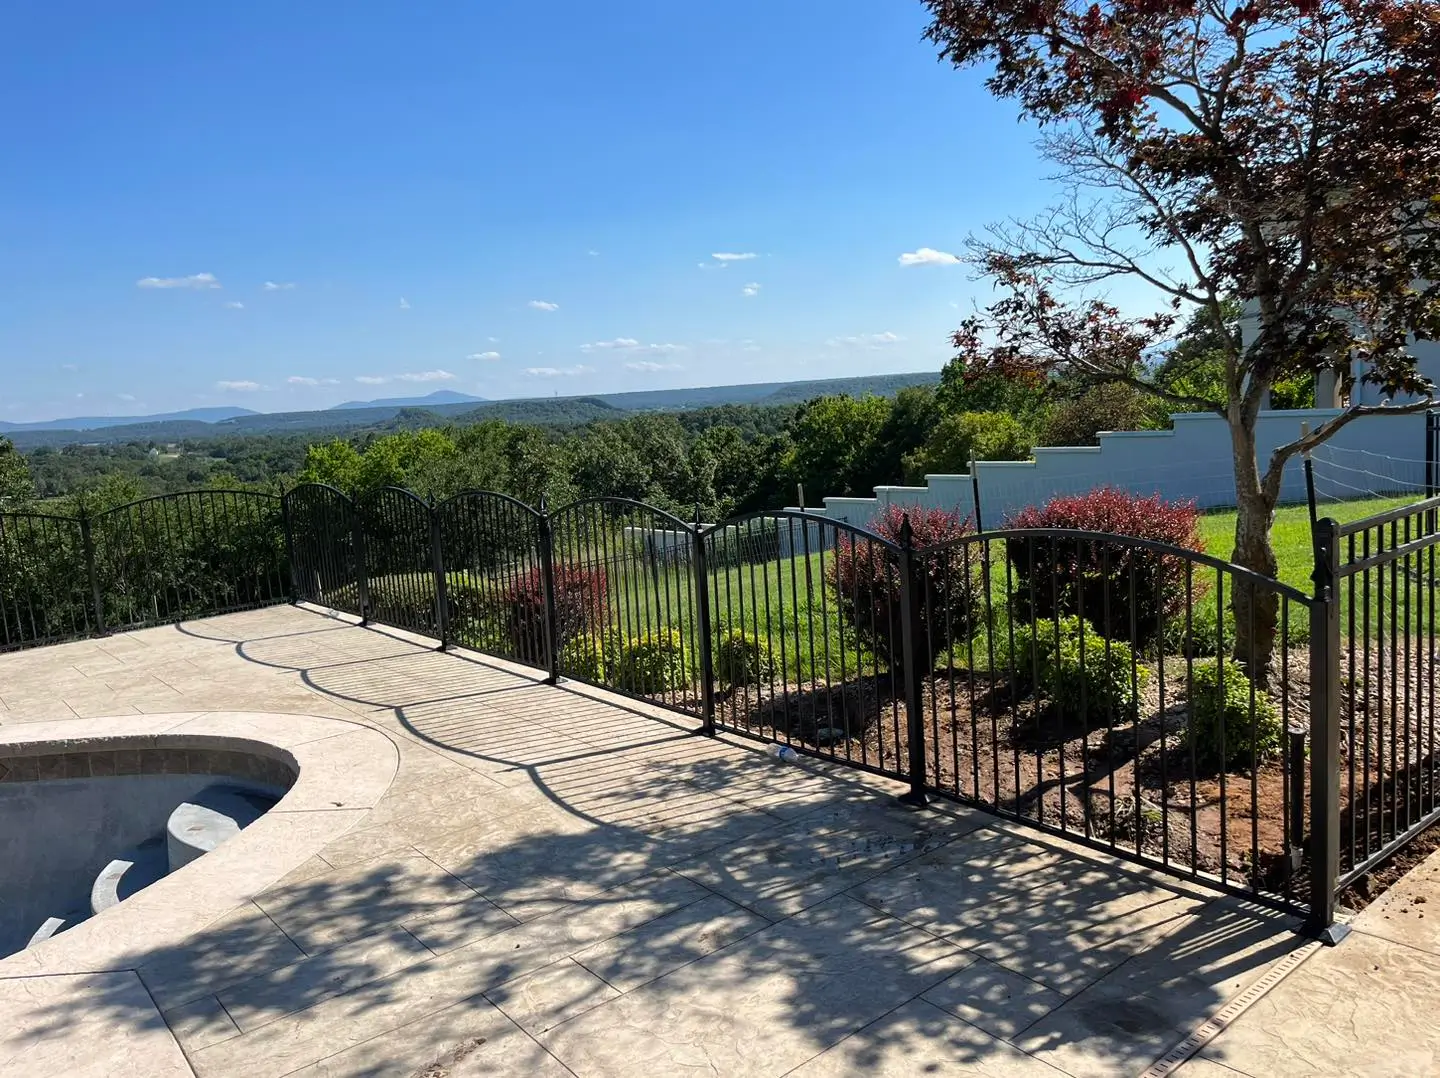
(1256, 607)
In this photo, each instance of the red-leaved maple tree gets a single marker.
(1285, 153)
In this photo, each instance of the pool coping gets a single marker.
(343, 769)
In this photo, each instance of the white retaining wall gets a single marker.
(1192, 461)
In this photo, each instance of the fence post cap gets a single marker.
(907, 533)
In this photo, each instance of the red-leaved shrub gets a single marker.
(580, 601)
(1124, 589)
(866, 578)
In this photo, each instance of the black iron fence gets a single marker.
(153, 561)
(1086, 684)
(1385, 653)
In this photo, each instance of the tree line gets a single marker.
(720, 460)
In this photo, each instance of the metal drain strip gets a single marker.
(1212, 1027)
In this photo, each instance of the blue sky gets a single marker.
(284, 206)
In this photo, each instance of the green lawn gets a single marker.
(788, 604)
(1292, 533)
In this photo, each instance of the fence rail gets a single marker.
(148, 562)
(1085, 684)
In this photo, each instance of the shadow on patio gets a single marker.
(574, 882)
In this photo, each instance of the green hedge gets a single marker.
(1224, 731)
(1070, 662)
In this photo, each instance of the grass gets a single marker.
(808, 638)
(1291, 534)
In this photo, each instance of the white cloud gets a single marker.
(593, 253)
(404, 304)
(277, 286)
(371, 379)
(239, 386)
(648, 366)
(749, 346)
(631, 346)
(493, 340)
(617, 343)
(483, 355)
(69, 367)
(866, 340)
(928, 256)
(728, 256)
(195, 280)
(425, 376)
(235, 305)
(751, 289)
(542, 305)
(304, 380)
(128, 398)
(558, 372)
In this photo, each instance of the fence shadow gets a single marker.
(733, 901)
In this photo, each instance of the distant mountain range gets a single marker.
(97, 422)
(440, 396)
(440, 407)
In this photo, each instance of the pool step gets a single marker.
(128, 873)
(53, 926)
(209, 818)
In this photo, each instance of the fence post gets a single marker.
(87, 544)
(362, 574)
(910, 630)
(702, 615)
(975, 492)
(437, 565)
(547, 584)
(1325, 735)
(289, 546)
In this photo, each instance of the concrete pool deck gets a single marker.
(556, 883)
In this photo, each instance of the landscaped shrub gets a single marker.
(580, 601)
(1223, 730)
(1084, 675)
(866, 579)
(654, 662)
(741, 658)
(1124, 589)
(584, 657)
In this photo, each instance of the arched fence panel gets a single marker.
(46, 583)
(495, 576)
(325, 564)
(400, 548)
(807, 638)
(1088, 684)
(189, 555)
(626, 610)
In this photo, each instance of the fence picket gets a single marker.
(920, 661)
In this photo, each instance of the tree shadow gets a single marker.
(656, 889)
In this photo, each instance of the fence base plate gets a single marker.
(913, 799)
(1331, 935)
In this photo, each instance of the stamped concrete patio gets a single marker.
(557, 883)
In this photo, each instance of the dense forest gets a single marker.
(716, 460)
